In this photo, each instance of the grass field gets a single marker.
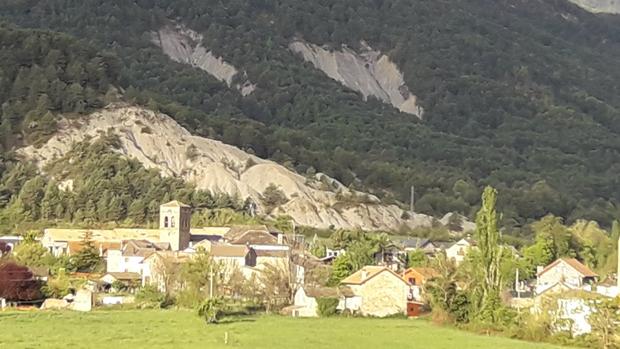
(184, 330)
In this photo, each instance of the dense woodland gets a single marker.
(520, 95)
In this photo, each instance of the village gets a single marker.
(296, 282)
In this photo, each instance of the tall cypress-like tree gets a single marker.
(490, 255)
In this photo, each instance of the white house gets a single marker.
(564, 270)
(305, 303)
(458, 251)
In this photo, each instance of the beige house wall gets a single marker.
(383, 295)
(561, 273)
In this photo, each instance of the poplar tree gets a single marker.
(490, 255)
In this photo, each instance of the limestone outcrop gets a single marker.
(369, 72)
(158, 141)
(184, 45)
(599, 6)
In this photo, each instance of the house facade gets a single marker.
(305, 301)
(375, 291)
(459, 250)
(568, 271)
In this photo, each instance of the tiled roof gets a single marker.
(575, 264)
(427, 273)
(124, 276)
(320, 292)
(76, 246)
(271, 253)
(229, 251)
(254, 237)
(115, 235)
(370, 271)
(174, 203)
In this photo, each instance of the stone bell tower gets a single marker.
(174, 224)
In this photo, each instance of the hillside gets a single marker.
(599, 6)
(159, 143)
(521, 95)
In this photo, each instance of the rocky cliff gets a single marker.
(184, 45)
(599, 6)
(157, 141)
(369, 72)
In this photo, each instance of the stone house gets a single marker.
(568, 271)
(375, 291)
(419, 244)
(234, 257)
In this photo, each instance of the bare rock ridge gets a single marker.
(369, 72)
(159, 142)
(185, 46)
(599, 6)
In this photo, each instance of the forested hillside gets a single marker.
(522, 95)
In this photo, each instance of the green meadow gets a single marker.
(152, 329)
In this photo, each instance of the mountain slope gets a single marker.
(158, 142)
(519, 94)
(599, 6)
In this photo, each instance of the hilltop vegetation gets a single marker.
(522, 96)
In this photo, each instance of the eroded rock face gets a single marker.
(185, 46)
(159, 142)
(369, 72)
(599, 6)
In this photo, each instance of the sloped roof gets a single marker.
(371, 272)
(221, 250)
(320, 292)
(573, 263)
(124, 276)
(115, 235)
(76, 246)
(237, 231)
(253, 237)
(175, 203)
(271, 253)
(415, 242)
(210, 231)
(427, 273)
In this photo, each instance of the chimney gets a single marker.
(364, 274)
(280, 239)
(539, 269)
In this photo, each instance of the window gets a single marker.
(172, 222)
(166, 222)
(412, 281)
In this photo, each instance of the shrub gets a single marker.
(151, 297)
(211, 310)
(326, 306)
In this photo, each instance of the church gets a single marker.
(174, 233)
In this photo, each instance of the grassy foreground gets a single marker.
(183, 329)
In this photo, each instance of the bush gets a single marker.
(151, 297)
(326, 306)
(211, 310)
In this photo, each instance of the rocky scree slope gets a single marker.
(369, 72)
(184, 45)
(599, 6)
(159, 142)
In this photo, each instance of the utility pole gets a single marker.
(517, 288)
(412, 199)
(211, 280)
